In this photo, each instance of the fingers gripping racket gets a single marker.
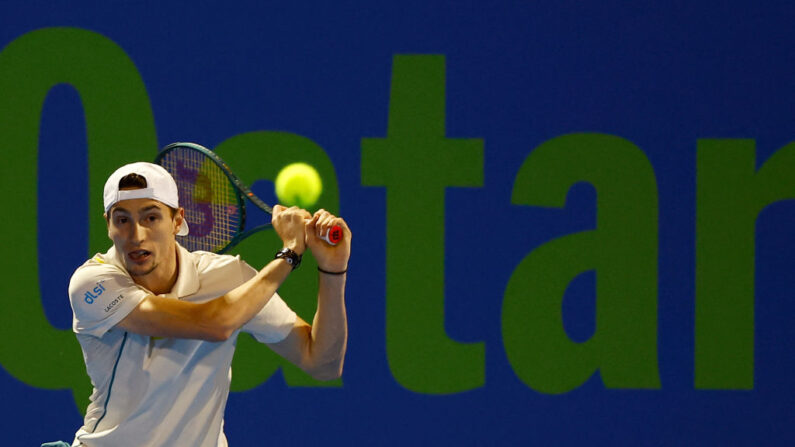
(214, 199)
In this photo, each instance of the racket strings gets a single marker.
(210, 201)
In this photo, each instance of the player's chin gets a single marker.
(141, 270)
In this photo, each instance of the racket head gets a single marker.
(214, 205)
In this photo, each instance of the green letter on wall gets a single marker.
(120, 129)
(730, 195)
(416, 163)
(623, 252)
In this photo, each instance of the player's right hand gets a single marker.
(329, 257)
(289, 224)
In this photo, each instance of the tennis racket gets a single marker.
(214, 199)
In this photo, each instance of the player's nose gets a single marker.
(137, 233)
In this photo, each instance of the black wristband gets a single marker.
(331, 273)
(292, 258)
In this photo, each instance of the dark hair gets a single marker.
(135, 181)
(132, 181)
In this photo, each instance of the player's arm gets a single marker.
(218, 319)
(214, 320)
(319, 349)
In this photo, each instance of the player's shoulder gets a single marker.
(100, 263)
(206, 261)
(92, 273)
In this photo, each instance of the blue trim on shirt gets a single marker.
(110, 386)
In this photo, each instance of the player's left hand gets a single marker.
(289, 224)
(333, 258)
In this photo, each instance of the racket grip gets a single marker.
(333, 236)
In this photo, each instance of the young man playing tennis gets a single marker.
(157, 324)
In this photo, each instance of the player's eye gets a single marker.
(121, 220)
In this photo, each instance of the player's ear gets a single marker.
(179, 216)
(107, 224)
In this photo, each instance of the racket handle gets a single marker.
(333, 236)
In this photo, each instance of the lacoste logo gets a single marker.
(116, 301)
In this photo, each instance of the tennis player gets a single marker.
(157, 324)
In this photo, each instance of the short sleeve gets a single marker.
(273, 323)
(101, 296)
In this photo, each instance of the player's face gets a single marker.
(142, 230)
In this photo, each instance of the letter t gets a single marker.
(416, 162)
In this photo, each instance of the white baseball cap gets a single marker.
(160, 186)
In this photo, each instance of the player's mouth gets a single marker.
(139, 256)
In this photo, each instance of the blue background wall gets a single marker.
(517, 74)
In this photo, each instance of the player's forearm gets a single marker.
(234, 309)
(214, 320)
(329, 328)
(239, 305)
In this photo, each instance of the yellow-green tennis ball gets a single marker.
(298, 184)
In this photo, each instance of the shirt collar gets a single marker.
(187, 277)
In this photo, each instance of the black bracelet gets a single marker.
(331, 273)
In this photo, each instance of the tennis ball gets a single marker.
(298, 184)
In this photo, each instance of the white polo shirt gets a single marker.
(151, 391)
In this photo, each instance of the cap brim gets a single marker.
(183, 229)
